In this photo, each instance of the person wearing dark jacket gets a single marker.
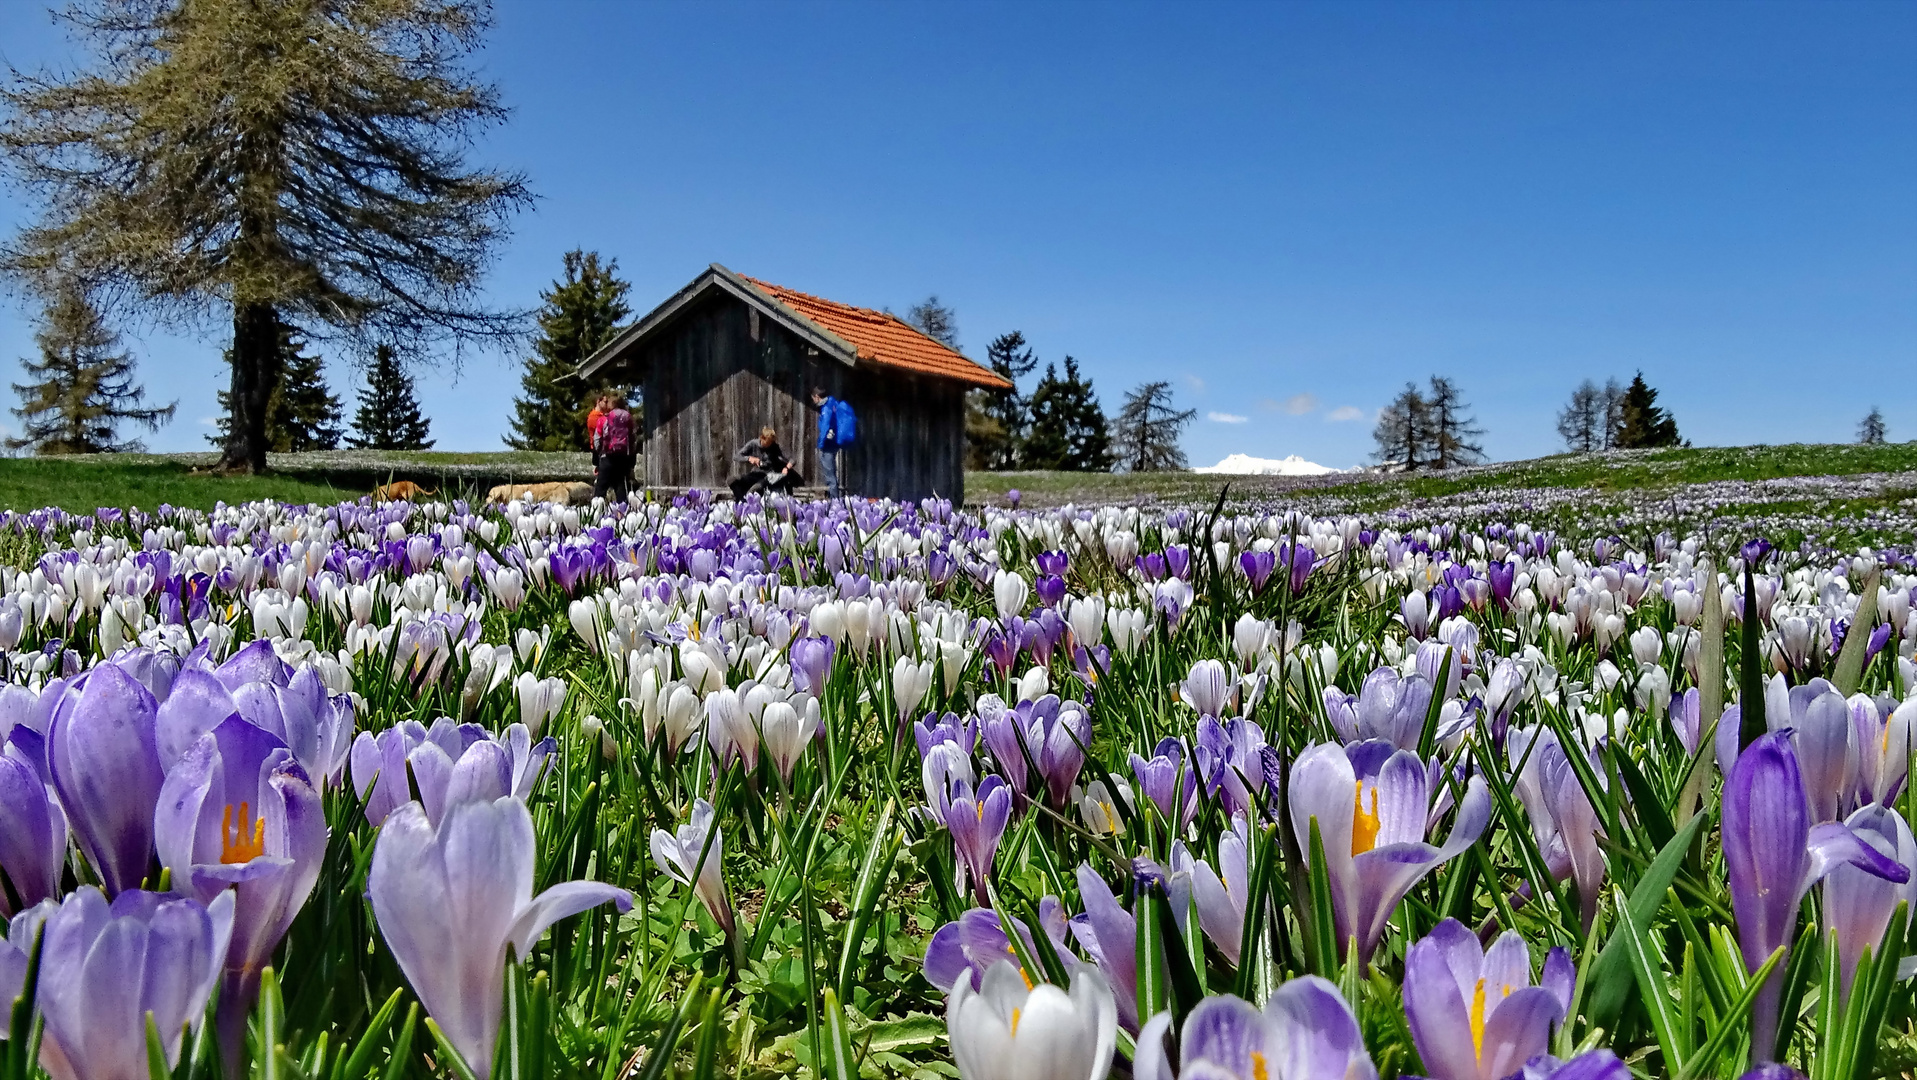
(765, 464)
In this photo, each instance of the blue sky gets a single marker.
(1287, 209)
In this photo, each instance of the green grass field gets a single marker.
(144, 480)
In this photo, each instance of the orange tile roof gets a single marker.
(884, 339)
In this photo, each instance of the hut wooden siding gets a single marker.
(720, 364)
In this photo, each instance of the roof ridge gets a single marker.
(878, 315)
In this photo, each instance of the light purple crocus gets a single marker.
(1220, 894)
(1858, 905)
(1229, 759)
(678, 855)
(1208, 688)
(1170, 781)
(452, 900)
(1563, 822)
(1473, 1012)
(1387, 707)
(1050, 733)
(315, 725)
(1373, 828)
(238, 813)
(103, 751)
(33, 833)
(105, 967)
(1882, 737)
(977, 823)
(811, 664)
(969, 946)
(1592, 1065)
(1305, 1032)
(1108, 933)
(1774, 855)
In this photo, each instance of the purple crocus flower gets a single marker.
(103, 751)
(1052, 733)
(33, 833)
(811, 664)
(1373, 828)
(1305, 1032)
(1774, 855)
(1109, 935)
(237, 812)
(1228, 757)
(1257, 567)
(316, 726)
(968, 947)
(947, 773)
(106, 967)
(1387, 707)
(1168, 779)
(1563, 821)
(1473, 1012)
(977, 823)
(452, 900)
(1594, 1065)
(1858, 905)
(1301, 561)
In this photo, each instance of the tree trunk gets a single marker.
(255, 338)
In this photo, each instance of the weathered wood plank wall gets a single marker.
(710, 382)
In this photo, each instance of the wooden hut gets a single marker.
(728, 353)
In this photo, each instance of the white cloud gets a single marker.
(1197, 384)
(210, 421)
(1226, 418)
(1300, 404)
(1345, 412)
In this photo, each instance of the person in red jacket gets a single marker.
(596, 419)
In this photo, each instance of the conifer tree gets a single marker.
(389, 417)
(81, 389)
(1643, 423)
(996, 420)
(302, 413)
(1147, 430)
(1452, 434)
(267, 160)
(935, 320)
(1403, 430)
(1068, 428)
(1873, 432)
(579, 313)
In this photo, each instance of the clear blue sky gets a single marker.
(1289, 209)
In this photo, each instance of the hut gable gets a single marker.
(727, 354)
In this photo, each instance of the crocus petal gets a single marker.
(562, 900)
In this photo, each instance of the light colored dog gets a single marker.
(562, 492)
(400, 489)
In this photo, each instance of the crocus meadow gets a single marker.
(778, 787)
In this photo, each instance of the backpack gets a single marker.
(846, 423)
(615, 435)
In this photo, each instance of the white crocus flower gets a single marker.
(678, 855)
(1009, 592)
(1009, 1029)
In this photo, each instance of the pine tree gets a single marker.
(302, 414)
(1403, 430)
(1872, 431)
(935, 320)
(996, 420)
(388, 417)
(82, 388)
(305, 161)
(580, 312)
(1068, 427)
(1147, 429)
(1581, 423)
(1452, 434)
(1644, 424)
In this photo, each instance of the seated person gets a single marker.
(766, 466)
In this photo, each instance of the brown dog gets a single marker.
(400, 489)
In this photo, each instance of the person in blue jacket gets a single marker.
(837, 429)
